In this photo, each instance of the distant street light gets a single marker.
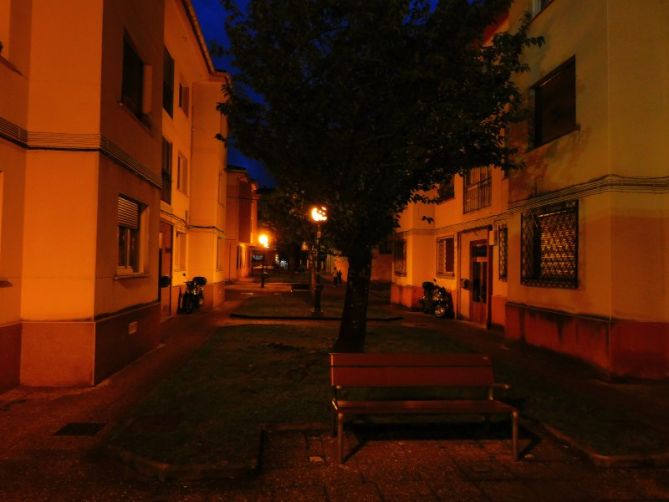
(318, 215)
(263, 239)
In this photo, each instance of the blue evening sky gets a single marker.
(211, 16)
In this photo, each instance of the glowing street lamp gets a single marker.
(319, 214)
(263, 239)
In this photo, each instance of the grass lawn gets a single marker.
(244, 377)
(301, 305)
(212, 409)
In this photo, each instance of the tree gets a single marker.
(363, 105)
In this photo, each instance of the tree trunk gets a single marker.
(354, 318)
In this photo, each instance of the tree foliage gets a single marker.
(361, 105)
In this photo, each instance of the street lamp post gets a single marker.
(264, 242)
(318, 215)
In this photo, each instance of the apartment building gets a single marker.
(241, 224)
(570, 252)
(107, 157)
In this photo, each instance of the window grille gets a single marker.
(549, 254)
(502, 248)
(477, 189)
(400, 257)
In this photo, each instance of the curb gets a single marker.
(165, 471)
(609, 461)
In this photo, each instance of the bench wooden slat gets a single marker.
(412, 376)
(450, 407)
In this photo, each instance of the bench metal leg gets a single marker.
(514, 434)
(340, 437)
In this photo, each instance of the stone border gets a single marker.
(610, 461)
(308, 318)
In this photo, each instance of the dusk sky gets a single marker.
(212, 18)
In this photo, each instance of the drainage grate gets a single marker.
(80, 429)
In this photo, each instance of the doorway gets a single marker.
(480, 285)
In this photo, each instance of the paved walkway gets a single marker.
(386, 463)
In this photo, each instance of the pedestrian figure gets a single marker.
(335, 276)
(338, 275)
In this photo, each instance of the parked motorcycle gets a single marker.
(193, 298)
(436, 300)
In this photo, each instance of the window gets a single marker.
(555, 104)
(132, 86)
(182, 173)
(549, 239)
(168, 82)
(446, 256)
(477, 189)
(180, 258)
(166, 172)
(184, 98)
(400, 257)
(502, 249)
(447, 189)
(129, 220)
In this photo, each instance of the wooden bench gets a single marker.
(470, 371)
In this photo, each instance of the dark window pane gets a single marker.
(168, 82)
(166, 172)
(133, 75)
(555, 104)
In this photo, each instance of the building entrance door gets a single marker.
(165, 268)
(480, 286)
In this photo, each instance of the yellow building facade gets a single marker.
(83, 132)
(241, 224)
(569, 252)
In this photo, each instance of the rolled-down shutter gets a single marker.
(128, 213)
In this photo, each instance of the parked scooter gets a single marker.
(193, 298)
(436, 300)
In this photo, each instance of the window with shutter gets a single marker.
(128, 215)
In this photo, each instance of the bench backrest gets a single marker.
(410, 370)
